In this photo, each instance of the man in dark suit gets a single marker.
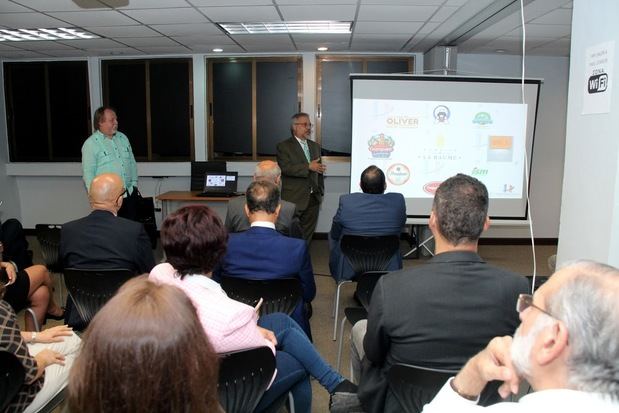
(287, 220)
(302, 173)
(371, 213)
(102, 239)
(442, 313)
(263, 253)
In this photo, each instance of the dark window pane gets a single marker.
(26, 111)
(388, 66)
(69, 109)
(170, 110)
(336, 128)
(125, 85)
(232, 108)
(276, 102)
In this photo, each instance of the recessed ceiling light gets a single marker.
(311, 27)
(218, 50)
(500, 50)
(61, 33)
(323, 48)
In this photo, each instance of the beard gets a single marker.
(522, 345)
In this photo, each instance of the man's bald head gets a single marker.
(105, 192)
(268, 171)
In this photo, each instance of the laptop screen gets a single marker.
(220, 182)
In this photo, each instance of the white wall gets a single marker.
(590, 206)
(54, 193)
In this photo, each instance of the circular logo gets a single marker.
(431, 187)
(441, 113)
(398, 174)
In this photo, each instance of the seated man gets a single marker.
(566, 348)
(441, 313)
(370, 213)
(102, 239)
(263, 253)
(287, 221)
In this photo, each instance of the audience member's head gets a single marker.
(570, 338)
(145, 351)
(262, 199)
(460, 210)
(268, 171)
(373, 180)
(106, 192)
(105, 121)
(193, 239)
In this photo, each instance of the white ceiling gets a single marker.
(135, 27)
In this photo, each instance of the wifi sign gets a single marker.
(598, 83)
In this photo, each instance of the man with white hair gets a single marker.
(566, 348)
(287, 221)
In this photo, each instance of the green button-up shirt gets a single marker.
(103, 155)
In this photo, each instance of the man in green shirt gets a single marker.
(109, 151)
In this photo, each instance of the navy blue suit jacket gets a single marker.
(264, 254)
(365, 214)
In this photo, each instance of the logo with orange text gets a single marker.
(381, 146)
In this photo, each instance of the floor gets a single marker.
(517, 258)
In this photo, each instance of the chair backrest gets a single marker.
(280, 295)
(12, 377)
(367, 253)
(366, 283)
(244, 377)
(91, 289)
(48, 236)
(414, 386)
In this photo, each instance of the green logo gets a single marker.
(482, 118)
(479, 172)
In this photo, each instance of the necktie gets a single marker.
(306, 150)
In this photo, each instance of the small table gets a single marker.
(182, 198)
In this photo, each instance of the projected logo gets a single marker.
(479, 172)
(402, 122)
(500, 148)
(398, 174)
(441, 114)
(431, 187)
(381, 146)
(482, 119)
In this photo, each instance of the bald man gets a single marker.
(287, 221)
(103, 239)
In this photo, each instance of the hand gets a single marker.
(10, 272)
(492, 363)
(268, 335)
(316, 166)
(47, 357)
(54, 334)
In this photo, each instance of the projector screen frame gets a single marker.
(529, 138)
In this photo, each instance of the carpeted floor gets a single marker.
(517, 258)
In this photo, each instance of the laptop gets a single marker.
(220, 184)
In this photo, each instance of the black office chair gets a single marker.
(364, 254)
(366, 283)
(12, 376)
(244, 377)
(48, 236)
(280, 295)
(414, 386)
(91, 289)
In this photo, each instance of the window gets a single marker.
(250, 102)
(154, 104)
(47, 110)
(333, 111)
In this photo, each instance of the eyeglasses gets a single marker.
(307, 125)
(525, 301)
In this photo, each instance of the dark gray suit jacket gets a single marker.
(435, 315)
(236, 220)
(297, 179)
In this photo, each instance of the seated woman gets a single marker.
(32, 287)
(144, 351)
(194, 239)
(51, 351)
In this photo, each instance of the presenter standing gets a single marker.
(109, 151)
(302, 173)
